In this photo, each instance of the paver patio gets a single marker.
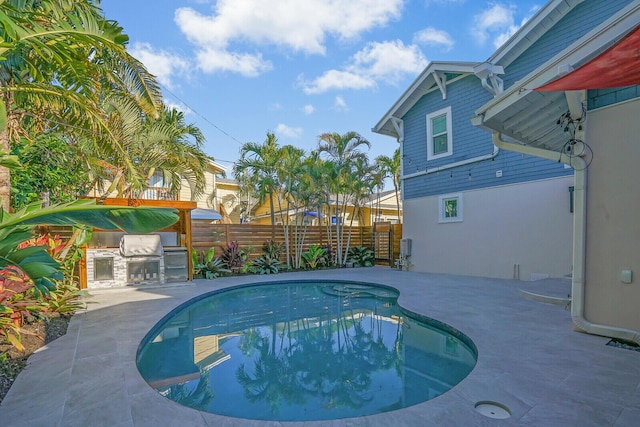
(529, 359)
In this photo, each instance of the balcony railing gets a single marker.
(158, 193)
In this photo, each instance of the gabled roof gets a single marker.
(431, 79)
(427, 81)
(530, 116)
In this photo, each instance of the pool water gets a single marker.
(296, 351)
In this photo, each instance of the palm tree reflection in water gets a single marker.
(309, 351)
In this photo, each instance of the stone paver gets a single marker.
(529, 359)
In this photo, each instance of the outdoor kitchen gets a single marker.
(117, 259)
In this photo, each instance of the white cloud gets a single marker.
(377, 62)
(308, 109)
(164, 65)
(340, 104)
(432, 37)
(498, 22)
(301, 26)
(212, 60)
(288, 132)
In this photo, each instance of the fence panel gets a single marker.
(251, 237)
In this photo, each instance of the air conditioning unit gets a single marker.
(405, 247)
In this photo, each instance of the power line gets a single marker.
(201, 116)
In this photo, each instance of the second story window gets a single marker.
(439, 141)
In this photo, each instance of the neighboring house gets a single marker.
(591, 87)
(379, 207)
(220, 201)
(470, 207)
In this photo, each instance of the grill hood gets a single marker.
(140, 245)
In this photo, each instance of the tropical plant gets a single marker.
(52, 170)
(210, 267)
(265, 265)
(30, 271)
(361, 256)
(315, 256)
(56, 58)
(233, 257)
(258, 168)
(343, 151)
(390, 167)
(273, 249)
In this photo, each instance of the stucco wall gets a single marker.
(613, 216)
(527, 224)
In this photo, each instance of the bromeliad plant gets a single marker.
(265, 265)
(210, 267)
(233, 257)
(315, 256)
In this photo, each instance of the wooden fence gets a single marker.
(252, 237)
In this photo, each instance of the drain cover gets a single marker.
(493, 410)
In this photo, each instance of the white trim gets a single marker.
(442, 218)
(443, 112)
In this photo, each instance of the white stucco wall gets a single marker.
(613, 216)
(525, 224)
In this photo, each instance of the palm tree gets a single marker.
(342, 150)
(259, 165)
(56, 58)
(166, 144)
(390, 167)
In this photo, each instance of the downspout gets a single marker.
(580, 323)
(495, 152)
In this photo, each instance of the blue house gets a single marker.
(470, 207)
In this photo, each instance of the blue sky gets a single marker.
(299, 68)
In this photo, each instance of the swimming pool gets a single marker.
(296, 351)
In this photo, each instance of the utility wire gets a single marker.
(201, 116)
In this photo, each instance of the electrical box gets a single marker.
(498, 174)
(405, 247)
(626, 276)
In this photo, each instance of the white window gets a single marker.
(439, 141)
(450, 208)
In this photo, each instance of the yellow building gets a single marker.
(379, 207)
(221, 194)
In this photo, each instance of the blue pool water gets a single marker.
(295, 351)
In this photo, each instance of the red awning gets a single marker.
(617, 66)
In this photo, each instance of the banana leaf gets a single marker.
(36, 262)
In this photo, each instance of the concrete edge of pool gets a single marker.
(529, 360)
(192, 356)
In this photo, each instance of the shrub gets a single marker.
(265, 265)
(361, 256)
(272, 249)
(315, 256)
(233, 258)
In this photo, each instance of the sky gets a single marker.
(299, 68)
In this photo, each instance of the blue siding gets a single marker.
(602, 97)
(464, 96)
(578, 22)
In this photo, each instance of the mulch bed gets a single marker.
(13, 361)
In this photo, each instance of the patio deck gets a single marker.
(529, 359)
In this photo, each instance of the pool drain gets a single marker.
(493, 410)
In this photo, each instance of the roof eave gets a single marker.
(407, 100)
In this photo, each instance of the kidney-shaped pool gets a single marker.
(296, 351)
